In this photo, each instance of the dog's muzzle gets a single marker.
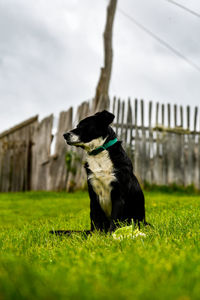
(71, 138)
(67, 136)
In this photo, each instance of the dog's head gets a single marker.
(91, 131)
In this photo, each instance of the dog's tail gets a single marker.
(70, 232)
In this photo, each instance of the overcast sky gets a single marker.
(51, 53)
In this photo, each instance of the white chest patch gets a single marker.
(101, 177)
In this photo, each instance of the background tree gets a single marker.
(101, 99)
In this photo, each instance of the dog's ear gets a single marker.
(105, 117)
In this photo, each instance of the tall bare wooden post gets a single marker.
(101, 100)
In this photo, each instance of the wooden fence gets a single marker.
(166, 148)
(163, 141)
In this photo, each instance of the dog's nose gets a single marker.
(66, 135)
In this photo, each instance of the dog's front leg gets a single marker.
(98, 218)
(117, 210)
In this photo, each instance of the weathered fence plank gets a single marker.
(117, 117)
(181, 116)
(57, 171)
(169, 115)
(175, 115)
(142, 153)
(80, 176)
(122, 122)
(129, 130)
(188, 118)
(137, 140)
(157, 157)
(15, 156)
(41, 154)
(114, 105)
(150, 145)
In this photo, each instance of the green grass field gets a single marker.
(37, 265)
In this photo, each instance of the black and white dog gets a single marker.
(115, 194)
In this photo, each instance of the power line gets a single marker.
(184, 7)
(161, 41)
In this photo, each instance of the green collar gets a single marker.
(103, 147)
